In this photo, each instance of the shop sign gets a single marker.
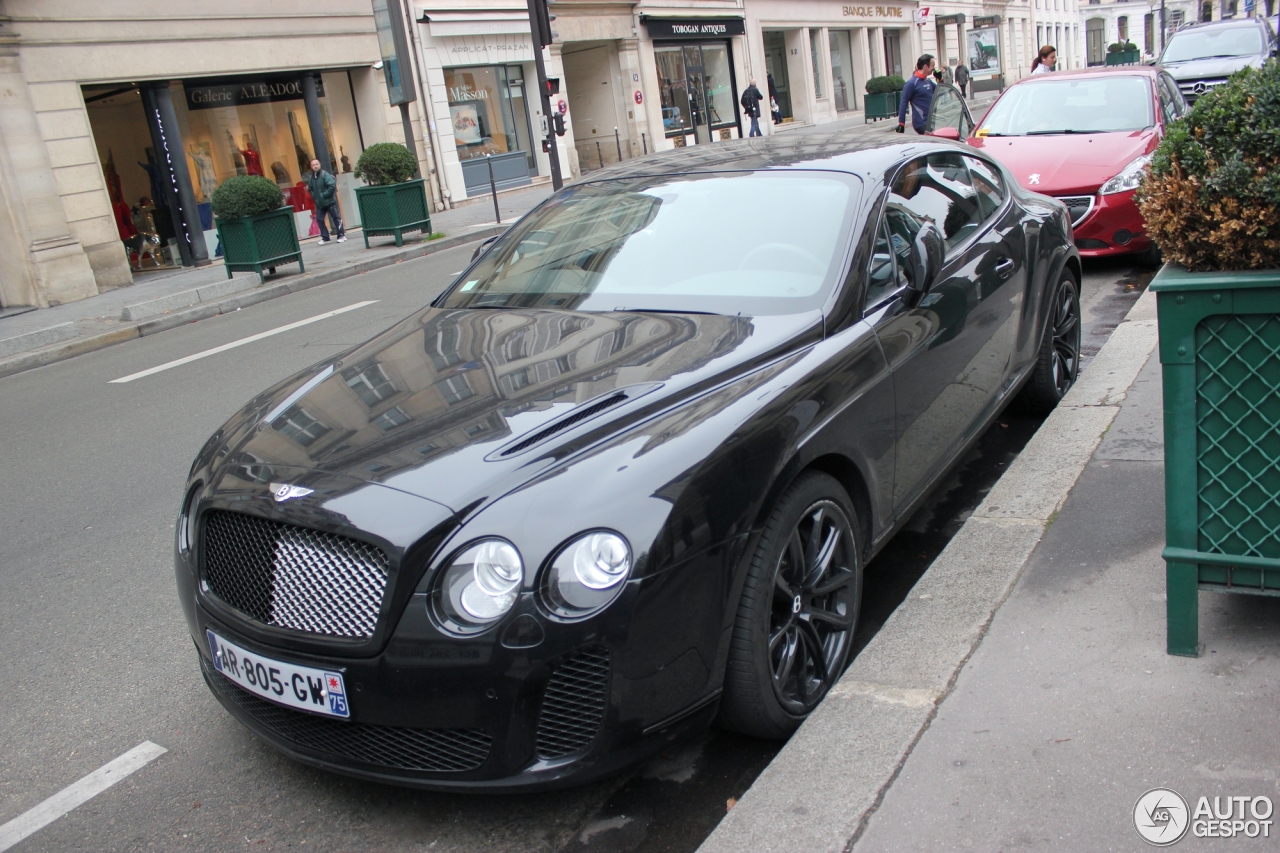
(466, 93)
(947, 20)
(923, 15)
(695, 27)
(873, 12)
(982, 22)
(246, 90)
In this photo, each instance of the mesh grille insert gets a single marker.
(573, 706)
(1078, 206)
(1238, 434)
(435, 750)
(293, 577)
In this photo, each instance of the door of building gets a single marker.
(696, 76)
(775, 59)
(1094, 41)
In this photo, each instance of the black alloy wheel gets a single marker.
(798, 611)
(1058, 363)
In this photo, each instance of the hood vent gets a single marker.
(582, 413)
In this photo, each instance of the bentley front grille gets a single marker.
(294, 577)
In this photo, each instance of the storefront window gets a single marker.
(816, 55)
(842, 69)
(673, 89)
(488, 112)
(720, 95)
(259, 127)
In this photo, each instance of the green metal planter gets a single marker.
(1124, 57)
(394, 210)
(1220, 354)
(255, 243)
(884, 105)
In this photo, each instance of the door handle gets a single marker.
(1004, 268)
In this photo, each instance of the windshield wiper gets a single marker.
(1052, 132)
(663, 311)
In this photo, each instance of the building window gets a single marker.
(842, 69)
(299, 425)
(456, 389)
(815, 53)
(488, 112)
(370, 383)
(391, 418)
(1122, 29)
(442, 344)
(695, 86)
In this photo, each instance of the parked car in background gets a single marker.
(1202, 56)
(1083, 137)
(625, 473)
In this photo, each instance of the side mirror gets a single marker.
(946, 133)
(485, 245)
(927, 254)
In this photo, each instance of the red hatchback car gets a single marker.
(1084, 137)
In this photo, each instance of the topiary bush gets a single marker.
(386, 163)
(885, 85)
(1211, 198)
(245, 195)
(1121, 47)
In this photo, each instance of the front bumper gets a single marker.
(1114, 227)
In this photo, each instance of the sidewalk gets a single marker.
(1021, 696)
(165, 299)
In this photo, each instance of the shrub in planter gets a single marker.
(885, 85)
(386, 163)
(394, 202)
(245, 195)
(1121, 47)
(1211, 198)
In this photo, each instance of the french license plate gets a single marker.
(316, 690)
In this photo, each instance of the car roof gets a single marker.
(1095, 71)
(1225, 24)
(847, 150)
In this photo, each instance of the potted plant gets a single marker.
(1123, 53)
(394, 202)
(883, 94)
(255, 226)
(1211, 201)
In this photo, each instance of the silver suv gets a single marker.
(1202, 56)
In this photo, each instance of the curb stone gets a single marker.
(822, 788)
(24, 361)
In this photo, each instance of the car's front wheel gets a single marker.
(1058, 362)
(799, 606)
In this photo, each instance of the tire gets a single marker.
(1150, 256)
(1058, 362)
(803, 593)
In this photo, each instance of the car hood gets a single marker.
(1202, 69)
(457, 405)
(1069, 164)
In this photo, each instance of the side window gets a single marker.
(986, 180)
(1175, 96)
(1166, 103)
(938, 189)
(884, 276)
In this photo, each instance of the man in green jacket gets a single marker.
(324, 192)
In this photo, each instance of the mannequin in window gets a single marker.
(346, 161)
(252, 159)
(204, 171)
(237, 159)
(281, 174)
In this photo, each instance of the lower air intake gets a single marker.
(574, 703)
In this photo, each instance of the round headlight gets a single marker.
(480, 585)
(587, 574)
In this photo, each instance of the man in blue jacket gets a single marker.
(917, 95)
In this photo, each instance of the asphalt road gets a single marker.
(95, 658)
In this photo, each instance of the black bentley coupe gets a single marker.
(622, 477)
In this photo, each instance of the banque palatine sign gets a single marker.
(874, 12)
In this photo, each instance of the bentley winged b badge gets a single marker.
(284, 491)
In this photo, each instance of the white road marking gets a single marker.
(77, 794)
(188, 359)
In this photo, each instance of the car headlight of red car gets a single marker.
(1129, 179)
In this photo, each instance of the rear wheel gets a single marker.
(798, 610)
(1058, 363)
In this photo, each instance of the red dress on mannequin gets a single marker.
(252, 161)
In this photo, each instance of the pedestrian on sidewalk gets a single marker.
(324, 192)
(1045, 61)
(751, 98)
(917, 95)
(962, 79)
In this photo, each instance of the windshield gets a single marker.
(751, 243)
(1072, 105)
(1226, 42)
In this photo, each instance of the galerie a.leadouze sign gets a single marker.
(242, 91)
